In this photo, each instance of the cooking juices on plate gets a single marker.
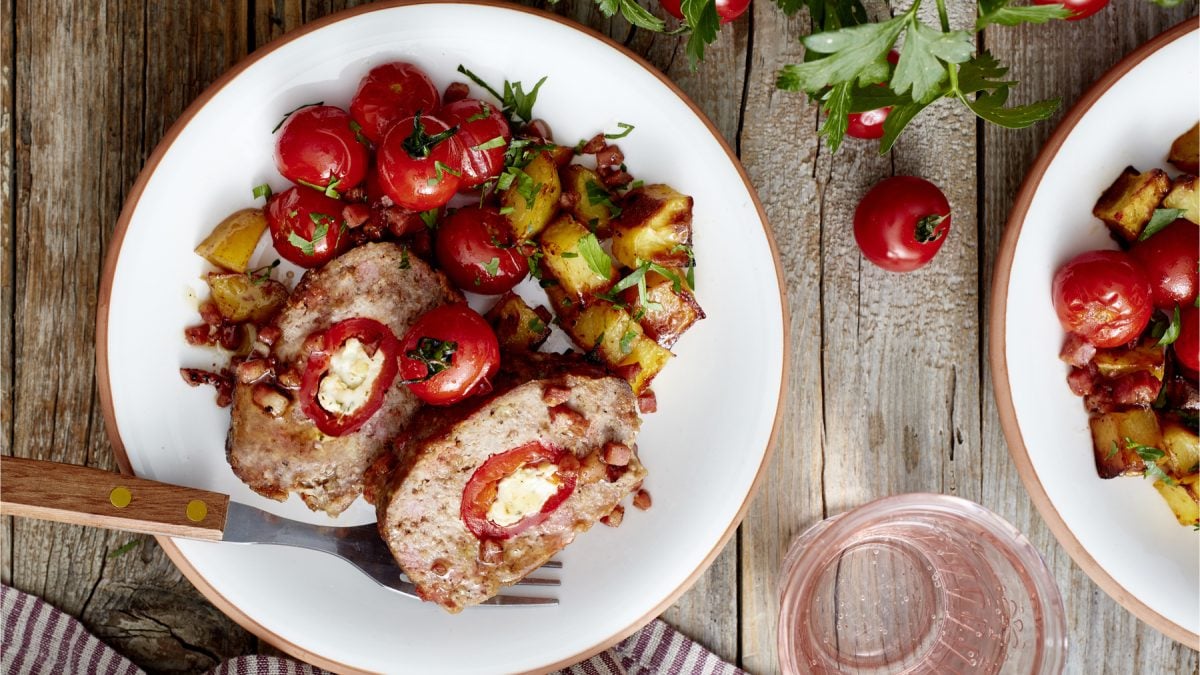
(1133, 330)
(373, 376)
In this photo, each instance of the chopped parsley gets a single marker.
(404, 262)
(627, 341)
(263, 190)
(1160, 219)
(594, 255)
(625, 129)
(497, 142)
(358, 134)
(124, 548)
(598, 196)
(430, 218)
(1171, 331)
(536, 325)
(1150, 456)
(437, 355)
(570, 254)
(492, 267)
(260, 276)
(329, 190)
(289, 113)
(309, 246)
(485, 111)
(517, 104)
(440, 170)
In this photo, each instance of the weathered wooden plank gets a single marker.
(117, 78)
(8, 259)
(1104, 637)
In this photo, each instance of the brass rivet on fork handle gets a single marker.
(120, 497)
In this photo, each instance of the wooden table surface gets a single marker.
(890, 391)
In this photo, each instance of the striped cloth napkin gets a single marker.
(39, 639)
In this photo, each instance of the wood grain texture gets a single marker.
(1095, 622)
(80, 495)
(886, 389)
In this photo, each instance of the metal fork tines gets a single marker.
(359, 545)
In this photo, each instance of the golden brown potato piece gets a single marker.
(668, 312)
(611, 335)
(1185, 149)
(655, 226)
(571, 254)
(1110, 432)
(1127, 205)
(518, 326)
(233, 240)
(1117, 361)
(1183, 195)
(240, 297)
(590, 202)
(1182, 447)
(532, 199)
(1183, 497)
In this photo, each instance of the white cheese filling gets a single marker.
(351, 376)
(522, 493)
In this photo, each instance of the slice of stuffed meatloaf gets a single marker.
(482, 495)
(313, 415)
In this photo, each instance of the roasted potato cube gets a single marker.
(667, 312)
(590, 202)
(1118, 361)
(645, 361)
(519, 326)
(1110, 432)
(655, 226)
(1127, 205)
(240, 297)
(1182, 446)
(532, 199)
(605, 330)
(233, 240)
(1183, 498)
(573, 257)
(1183, 195)
(1185, 149)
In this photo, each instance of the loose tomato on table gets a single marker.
(317, 148)
(727, 10)
(346, 379)
(449, 354)
(1187, 345)
(1080, 9)
(389, 93)
(482, 488)
(1103, 296)
(476, 249)
(306, 226)
(1170, 259)
(901, 223)
(418, 163)
(484, 134)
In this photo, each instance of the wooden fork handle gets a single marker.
(85, 496)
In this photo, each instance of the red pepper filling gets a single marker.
(482, 489)
(373, 337)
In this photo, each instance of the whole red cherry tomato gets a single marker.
(306, 226)
(476, 249)
(901, 223)
(339, 399)
(418, 163)
(449, 354)
(1080, 9)
(480, 492)
(727, 10)
(1187, 345)
(1171, 260)
(484, 134)
(1103, 296)
(317, 148)
(389, 93)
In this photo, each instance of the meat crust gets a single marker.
(277, 456)
(419, 500)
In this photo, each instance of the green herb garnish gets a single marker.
(625, 129)
(492, 267)
(594, 256)
(289, 113)
(263, 190)
(497, 142)
(1160, 219)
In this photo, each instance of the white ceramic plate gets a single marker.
(718, 400)
(1120, 531)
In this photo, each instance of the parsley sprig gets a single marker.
(1150, 457)
(515, 103)
(846, 60)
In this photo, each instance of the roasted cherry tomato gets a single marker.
(476, 249)
(418, 163)
(901, 223)
(1187, 345)
(449, 354)
(484, 135)
(1080, 9)
(390, 93)
(346, 379)
(317, 148)
(483, 486)
(727, 10)
(1171, 260)
(1103, 296)
(306, 226)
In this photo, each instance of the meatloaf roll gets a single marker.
(482, 495)
(312, 417)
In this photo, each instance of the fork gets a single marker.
(82, 495)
